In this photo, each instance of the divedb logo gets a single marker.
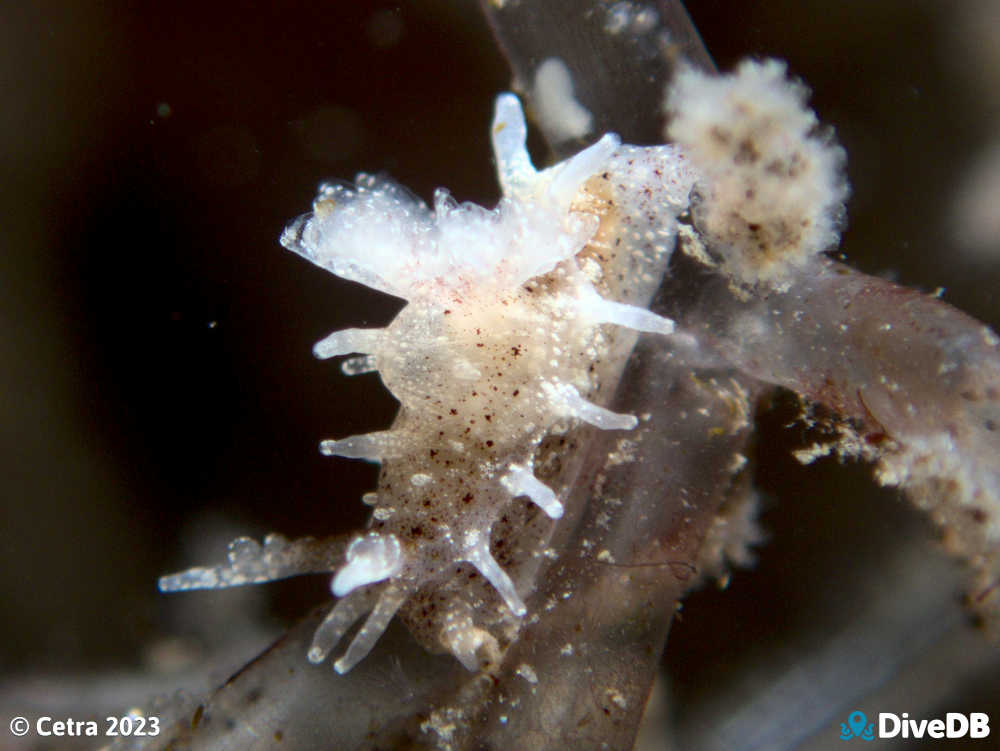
(954, 725)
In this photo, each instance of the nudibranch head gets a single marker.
(381, 235)
(500, 345)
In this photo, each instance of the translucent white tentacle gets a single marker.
(514, 168)
(567, 399)
(249, 562)
(479, 556)
(510, 134)
(375, 626)
(347, 342)
(340, 618)
(520, 480)
(574, 172)
(630, 316)
(372, 447)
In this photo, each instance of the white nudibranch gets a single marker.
(494, 350)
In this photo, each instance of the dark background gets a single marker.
(155, 366)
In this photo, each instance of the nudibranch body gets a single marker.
(495, 350)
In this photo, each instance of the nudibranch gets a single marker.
(494, 351)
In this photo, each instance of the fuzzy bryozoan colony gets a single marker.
(772, 188)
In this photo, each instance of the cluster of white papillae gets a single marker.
(381, 235)
(772, 187)
(494, 350)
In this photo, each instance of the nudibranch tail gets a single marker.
(469, 644)
(500, 344)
